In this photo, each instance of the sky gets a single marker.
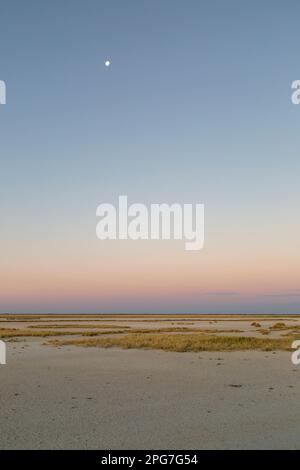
(194, 108)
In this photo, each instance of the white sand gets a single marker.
(92, 398)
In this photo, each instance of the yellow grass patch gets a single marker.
(78, 326)
(263, 331)
(15, 332)
(177, 329)
(278, 326)
(182, 343)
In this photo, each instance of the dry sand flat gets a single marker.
(93, 398)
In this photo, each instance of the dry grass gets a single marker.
(256, 324)
(15, 332)
(99, 333)
(79, 326)
(182, 329)
(182, 343)
(263, 331)
(278, 326)
(61, 330)
(291, 330)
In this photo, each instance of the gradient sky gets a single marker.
(195, 107)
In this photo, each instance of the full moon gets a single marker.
(107, 63)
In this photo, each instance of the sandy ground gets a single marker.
(92, 398)
(244, 325)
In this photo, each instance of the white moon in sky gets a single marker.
(107, 63)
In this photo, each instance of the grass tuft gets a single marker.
(278, 326)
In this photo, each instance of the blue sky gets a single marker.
(195, 107)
